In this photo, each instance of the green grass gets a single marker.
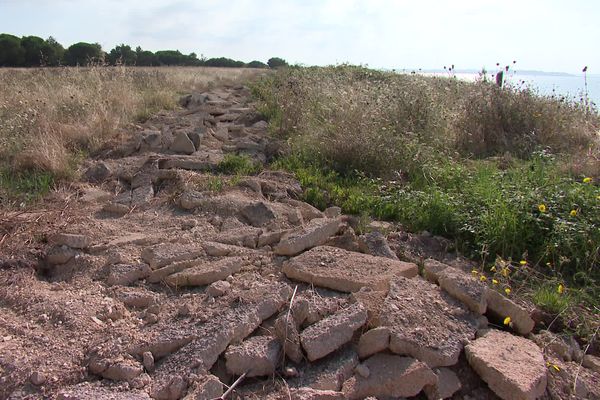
(24, 187)
(233, 164)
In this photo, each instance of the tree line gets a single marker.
(33, 51)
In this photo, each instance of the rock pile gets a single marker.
(190, 288)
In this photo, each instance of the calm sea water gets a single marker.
(571, 86)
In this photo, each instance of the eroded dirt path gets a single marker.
(157, 278)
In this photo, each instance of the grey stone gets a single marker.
(332, 332)
(182, 144)
(258, 356)
(390, 376)
(512, 366)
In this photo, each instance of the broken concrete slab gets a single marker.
(314, 234)
(246, 237)
(504, 307)
(258, 213)
(512, 366)
(329, 334)
(425, 322)
(183, 144)
(204, 161)
(432, 269)
(286, 330)
(376, 244)
(372, 301)
(346, 271)
(72, 240)
(314, 394)
(126, 274)
(96, 390)
(447, 384)
(205, 273)
(206, 387)
(374, 341)
(464, 287)
(328, 373)
(390, 376)
(257, 356)
(167, 253)
(142, 195)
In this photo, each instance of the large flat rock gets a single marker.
(390, 376)
(166, 253)
(346, 271)
(512, 366)
(426, 323)
(257, 356)
(330, 333)
(316, 233)
(206, 273)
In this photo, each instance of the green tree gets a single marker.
(145, 58)
(122, 54)
(170, 57)
(223, 62)
(83, 53)
(33, 46)
(12, 54)
(256, 64)
(276, 62)
(53, 52)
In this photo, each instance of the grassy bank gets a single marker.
(511, 176)
(51, 118)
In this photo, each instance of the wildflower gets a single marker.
(523, 262)
(493, 269)
(587, 180)
(507, 291)
(507, 321)
(553, 366)
(542, 208)
(573, 213)
(560, 289)
(495, 281)
(483, 278)
(474, 272)
(505, 272)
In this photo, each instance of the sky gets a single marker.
(547, 35)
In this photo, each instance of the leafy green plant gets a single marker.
(233, 164)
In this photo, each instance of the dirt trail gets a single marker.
(154, 277)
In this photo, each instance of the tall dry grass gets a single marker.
(379, 122)
(50, 116)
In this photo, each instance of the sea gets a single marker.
(558, 84)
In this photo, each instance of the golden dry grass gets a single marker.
(48, 117)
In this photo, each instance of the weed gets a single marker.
(233, 164)
(24, 187)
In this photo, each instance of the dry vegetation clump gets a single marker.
(50, 116)
(376, 121)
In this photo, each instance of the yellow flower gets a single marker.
(474, 272)
(560, 289)
(587, 180)
(542, 208)
(556, 367)
(573, 213)
(507, 321)
(505, 272)
(493, 269)
(483, 278)
(495, 281)
(507, 290)
(523, 262)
